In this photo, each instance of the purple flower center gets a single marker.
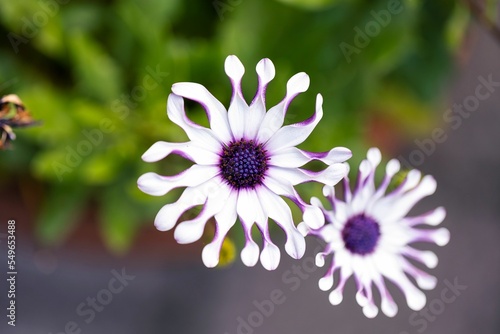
(243, 163)
(361, 234)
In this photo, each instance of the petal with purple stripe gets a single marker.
(216, 113)
(225, 219)
(158, 185)
(196, 133)
(196, 153)
(293, 157)
(238, 109)
(294, 134)
(275, 117)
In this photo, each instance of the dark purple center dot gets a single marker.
(243, 163)
(361, 234)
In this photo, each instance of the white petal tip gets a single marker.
(427, 282)
(147, 157)
(151, 184)
(162, 225)
(313, 217)
(234, 68)
(370, 311)
(325, 283)
(374, 156)
(390, 309)
(341, 154)
(156, 152)
(393, 166)
(250, 254)
(412, 178)
(335, 297)
(437, 216)
(180, 89)
(442, 236)
(338, 172)
(299, 83)
(188, 231)
(319, 106)
(270, 257)
(266, 71)
(210, 256)
(429, 259)
(316, 202)
(416, 300)
(328, 191)
(320, 260)
(295, 245)
(303, 229)
(429, 184)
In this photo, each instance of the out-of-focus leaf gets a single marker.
(99, 169)
(89, 115)
(425, 70)
(457, 26)
(82, 17)
(55, 113)
(12, 11)
(119, 220)
(50, 39)
(157, 12)
(492, 9)
(404, 108)
(311, 4)
(96, 73)
(52, 166)
(60, 211)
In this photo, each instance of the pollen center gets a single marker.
(243, 164)
(361, 234)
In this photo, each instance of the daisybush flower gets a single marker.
(369, 236)
(243, 163)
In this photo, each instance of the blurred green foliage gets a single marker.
(97, 73)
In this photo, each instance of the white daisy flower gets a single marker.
(369, 236)
(243, 163)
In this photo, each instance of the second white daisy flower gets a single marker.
(370, 237)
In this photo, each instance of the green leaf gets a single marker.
(99, 169)
(311, 4)
(60, 212)
(82, 17)
(52, 166)
(492, 9)
(118, 220)
(457, 26)
(95, 71)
